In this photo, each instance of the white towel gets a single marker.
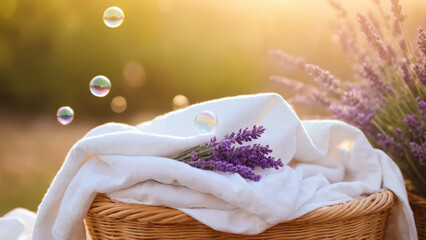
(329, 162)
(17, 224)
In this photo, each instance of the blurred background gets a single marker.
(206, 49)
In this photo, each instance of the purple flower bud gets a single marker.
(421, 106)
(419, 152)
(223, 156)
(323, 77)
(414, 127)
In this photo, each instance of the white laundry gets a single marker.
(328, 162)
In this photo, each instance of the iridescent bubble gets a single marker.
(206, 122)
(113, 17)
(65, 115)
(100, 86)
(134, 74)
(118, 104)
(180, 101)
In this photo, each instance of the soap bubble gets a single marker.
(65, 115)
(113, 17)
(206, 122)
(100, 86)
(180, 101)
(118, 104)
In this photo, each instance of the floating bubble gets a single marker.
(206, 122)
(100, 86)
(118, 104)
(180, 101)
(65, 115)
(113, 17)
(134, 74)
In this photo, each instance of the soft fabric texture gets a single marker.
(17, 224)
(328, 162)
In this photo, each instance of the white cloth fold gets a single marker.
(17, 224)
(328, 162)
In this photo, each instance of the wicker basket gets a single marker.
(363, 218)
(418, 205)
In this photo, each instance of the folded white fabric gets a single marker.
(329, 162)
(17, 224)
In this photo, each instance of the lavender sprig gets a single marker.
(421, 41)
(386, 99)
(323, 77)
(372, 37)
(396, 10)
(230, 155)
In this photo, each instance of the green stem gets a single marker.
(407, 40)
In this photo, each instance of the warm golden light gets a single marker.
(165, 5)
(134, 74)
(180, 101)
(118, 104)
(7, 8)
(347, 144)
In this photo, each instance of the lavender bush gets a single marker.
(230, 155)
(386, 97)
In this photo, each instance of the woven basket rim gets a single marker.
(106, 207)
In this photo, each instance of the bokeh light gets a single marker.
(118, 104)
(113, 17)
(134, 74)
(206, 122)
(65, 115)
(100, 86)
(179, 102)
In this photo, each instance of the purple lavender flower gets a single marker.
(347, 41)
(245, 135)
(403, 45)
(224, 156)
(289, 83)
(400, 134)
(419, 152)
(287, 61)
(375, 82)
(421, 106)
(414, 127)
(358, 116)
(396, 9)
(390, 145)
(378, 102)
(353, 97)
(375, 23)
(421, 41)
(313, 97)
(406, 74)
(323, 77)
(372, 37)
(420, 73)
(396, 30)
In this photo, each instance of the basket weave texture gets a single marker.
(363, 218)
(418, 205)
